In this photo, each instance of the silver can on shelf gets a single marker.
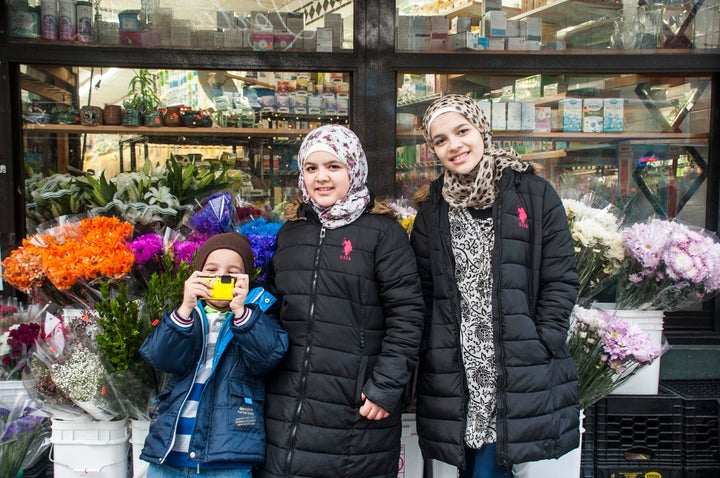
(84, 15)
(67, 27)
(49, 19)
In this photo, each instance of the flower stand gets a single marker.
(83, 447)
(138, 432)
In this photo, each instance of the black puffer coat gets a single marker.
(352, 306)
(534, 289)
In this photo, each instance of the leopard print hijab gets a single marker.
(476, 189)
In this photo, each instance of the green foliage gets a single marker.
(165, 289)
(124, 330)
(142, 91)
(188, 183)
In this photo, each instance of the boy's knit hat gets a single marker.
(227, 240)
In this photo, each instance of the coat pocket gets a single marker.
(245, 407)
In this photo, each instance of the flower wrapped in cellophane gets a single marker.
(607, 351)
(61, 262)
(599, 250)
(19, 330)
(24, 436)
(67, 373)
(668, 266)
(405, 214)
(217, 214)
(262, 235)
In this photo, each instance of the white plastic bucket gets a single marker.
(138, 431)
(646, 381)
(411, 462)
(89, 448)
(12, 393)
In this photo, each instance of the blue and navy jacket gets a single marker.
(229, 428)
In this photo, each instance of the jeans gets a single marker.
(168, 471)
(482, 463)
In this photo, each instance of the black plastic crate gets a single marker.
(701, 426)
(587, 457)
(639, 436)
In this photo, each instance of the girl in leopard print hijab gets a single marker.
(477, 187)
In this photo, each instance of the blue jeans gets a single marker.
(482, 463)
(168, 471)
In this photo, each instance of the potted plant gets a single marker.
(143, 98)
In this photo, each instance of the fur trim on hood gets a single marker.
(291, 209)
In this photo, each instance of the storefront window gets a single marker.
(100, 122)
(258, 25)
(467, 26)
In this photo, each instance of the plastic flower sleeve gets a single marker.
(24, 436)
(668, 266)
(216, 215)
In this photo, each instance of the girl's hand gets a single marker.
(240, 292)
(371, 411)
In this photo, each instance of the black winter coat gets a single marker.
(535, 286)
(352, 306)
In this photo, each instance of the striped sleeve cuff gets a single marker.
(181, 321)
(238, 321)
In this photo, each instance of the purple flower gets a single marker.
(262, 235)
(185, 250)
(216, 216)
(146, 247)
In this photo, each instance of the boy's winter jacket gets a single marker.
(229, 426)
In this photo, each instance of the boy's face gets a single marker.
(326, 178)
(222, 262)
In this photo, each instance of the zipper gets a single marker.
(203, 323)
(501, 424)
(306, 356)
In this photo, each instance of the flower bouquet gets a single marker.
(607, 351)
(19, 330)
(405, 214)
(667, 266)
(599, 250)
(61, 261)
(262, 235)
(67, 373)
(24, 436)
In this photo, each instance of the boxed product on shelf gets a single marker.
(543, 119)
(486, 107)
(496, 43)
(181, 32)
(460, 24)
(527, 116)
(262, 40)
(494, 24)
(636, 436)
(517, 43)
(593, 115)
(613, 112)
(531, 28)
(529, 87)
(498, 120)
(514, 116)
(570, 112)
(464, 40)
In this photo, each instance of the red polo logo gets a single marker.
(522, 217)
(347, 249)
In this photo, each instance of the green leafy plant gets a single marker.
(142, 92)
(123, 329)
(165, 289)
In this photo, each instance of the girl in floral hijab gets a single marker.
(351, 303)
(345, 146)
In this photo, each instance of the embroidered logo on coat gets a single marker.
(347, 249)
(522, 217)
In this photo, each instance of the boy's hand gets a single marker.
(195, 286)
(371, 411)
(240, 292)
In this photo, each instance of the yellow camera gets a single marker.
(221, 287)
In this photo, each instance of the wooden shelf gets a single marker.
(564, 13)
(45, 90)
(164, 130)
(638, 137)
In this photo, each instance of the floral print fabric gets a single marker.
(345, 144)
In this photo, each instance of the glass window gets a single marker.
(111, 121)
(288, 25)
(467, 26)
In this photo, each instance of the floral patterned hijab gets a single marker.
(344, 144)
(477, 188)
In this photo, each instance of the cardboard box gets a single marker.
(543, 119)
(498, 119)
(570, 111)
(531, 28)
(460, 25)
(486, 107)
(517, 43)
(593, 115)
(465, 40)
(613, 115)
(496, 43)
(514, 116)
(494, 24)
(324, 40)
(262, 40)
(528, 116)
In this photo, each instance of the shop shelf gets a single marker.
(638, 434)
(701, 426)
